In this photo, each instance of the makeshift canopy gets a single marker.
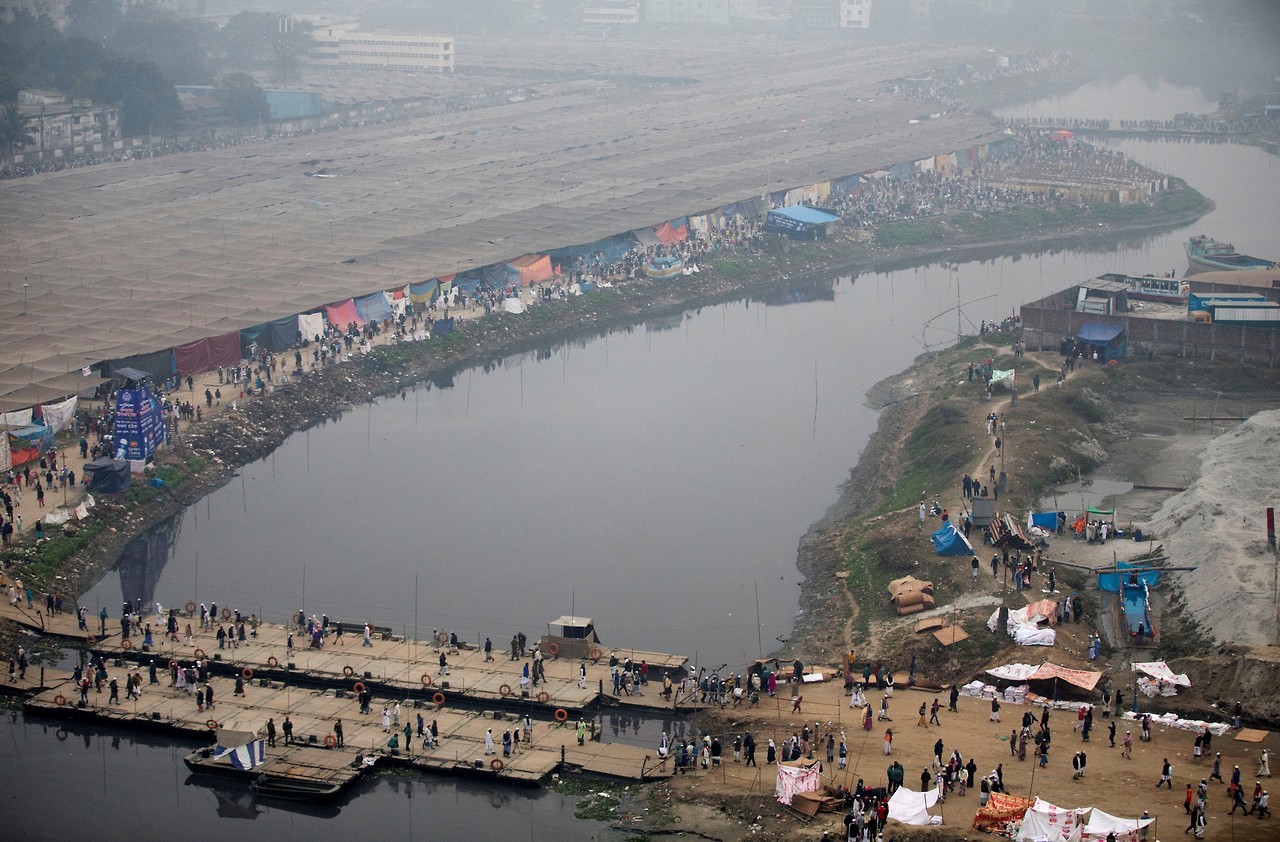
(1160, 670)
(531, 268)
(207, 354)
(796, 778)
(1101, 825)
(911, 807)
(342, 314)
(58, 416)
(1108, 338)
(951, 541)
(1084, 679)
(1055, 824)
(1000, 809)
(311, 326)
(107, 475)
(1101, 512)
(1113, 582)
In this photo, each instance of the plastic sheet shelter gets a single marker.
(1044, 520)
(951, 541)
(158, 366)
(311, 326)
(107, 476)
(373, 308)
(207, 354)
(1051, 822)
(342, 314)
(911, 807)
(1160, 670)
(1101, 825)
(424, 292)
(1109, 340)
(676, 231)
(1084, 679)
(532, 268)
(799, 222)
(797, 777)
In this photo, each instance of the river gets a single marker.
(654, 478)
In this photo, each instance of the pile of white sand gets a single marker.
(1219, 526)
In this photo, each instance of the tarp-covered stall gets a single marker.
(799, 222)
(107, 476)
(1160, 671)
(532, 268)
(342, 314)
(1084, 679)
(1107, 340)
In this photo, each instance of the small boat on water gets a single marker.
(1151, 287)
(1205, 254)
(664, 268)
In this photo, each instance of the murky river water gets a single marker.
(653, 479)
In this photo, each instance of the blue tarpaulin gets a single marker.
(373, 308)
(1044, 520)
(1099, 333)
(1111, 582)
(951, 541)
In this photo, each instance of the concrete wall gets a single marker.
(1045, 323)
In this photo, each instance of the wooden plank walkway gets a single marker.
(393, 664)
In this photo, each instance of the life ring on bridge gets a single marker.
(191, 607)
(496, 764)
(358, 687)
(443, 637)
(505, 689)
(272, 662)
(212, 724)
(438, 698)
(126, 644)
(59, 700)
(226, 613)
(199, 653)
(247, 673)
(553, 648)
(330, 741)
(348, 671)
(425, 678)
(544, 697)
(561, 714)
(595, 654)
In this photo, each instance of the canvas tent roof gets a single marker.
(1084, 679)
(1099, 334)
(806, 215)
(911, 807)
(1049, 822)
(951, 541)
(131, 257)
(1160, 670)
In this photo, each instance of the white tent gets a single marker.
(911, 807)
(1101, 824)
(1052, 823)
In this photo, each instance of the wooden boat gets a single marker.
(295, 789)
(1205, 254)
(664, 268)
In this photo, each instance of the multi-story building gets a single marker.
(75, 127)
(343, 47)
(55, 10)
(855, 14)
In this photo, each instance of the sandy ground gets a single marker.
(1121, 787)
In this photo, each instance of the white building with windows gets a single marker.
(855, 14)
(611, 13)
(343, 47)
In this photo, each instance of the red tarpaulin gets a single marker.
(668, 235)
(532, 268)
(342, 314)
(208, 353)
(1000, 809)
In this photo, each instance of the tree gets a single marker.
(243, 99)
(248, 38)
(94, 20)
(178, 46)
(14, 133)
